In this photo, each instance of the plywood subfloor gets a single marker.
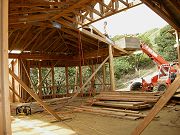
(87, 124)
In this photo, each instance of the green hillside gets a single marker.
(151, 34)
(136, 65)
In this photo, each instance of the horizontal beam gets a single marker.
(39, 56)
(163, 14)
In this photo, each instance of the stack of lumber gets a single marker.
(125, 105)
(126, 100)
(55, 104)
(111, 112)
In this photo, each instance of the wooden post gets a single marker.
(13, 82)
(14, 91)
(92, 89)
(39, 81)
(5, 118)
(76, 78)
(19, 75)
(35, 96)
(104, 77)
(52, 78)
(111, 68)
(67, 81)
(178, 45)
(80, 79)
(25, 74)
(158, 106)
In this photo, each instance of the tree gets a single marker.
(165, 44)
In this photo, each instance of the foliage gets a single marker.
(130, 64)
(165, 44)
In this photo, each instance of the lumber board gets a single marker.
(132, 93)
(128, 96)
(158, 106)
(126, 106)
(111, 68)
(34, 95)
(113, 109)
(148, 100)
(110, 113)
(5, 116)
(14, 91)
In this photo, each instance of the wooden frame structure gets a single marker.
(55, 33)
(5, 119)
(47, 35)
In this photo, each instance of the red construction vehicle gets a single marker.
(165, 76)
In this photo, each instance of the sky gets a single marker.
(136, 20)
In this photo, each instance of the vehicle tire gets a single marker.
(136, 86)
(172, 77)
(162, 87)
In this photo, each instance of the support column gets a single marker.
(39, 81)
(53, 88)
(76, 79)
(19, 75)
(92, 89)
(111, 68)
(104, 77)
(178, 46)
(67, 81)
(5, 119)
(13, 83)
(80, 79)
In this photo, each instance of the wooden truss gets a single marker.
(167, 9)
(75, 12)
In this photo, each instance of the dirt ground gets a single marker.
(88, 124)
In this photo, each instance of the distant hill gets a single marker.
(151, 34)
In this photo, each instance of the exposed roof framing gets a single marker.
(33, 26)
(169, 10)
(80, 12)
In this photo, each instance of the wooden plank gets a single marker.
(13, 82)
(14, 91)
(127, 112)
(158, 106)
(111, 68)
(67, 80)
(33, 39)
(120, 105)
(113, 109)
(104, 76)
(76, 79)
(53, 83)
(127, 99)
(79, 4)
(40, 80)
(178, 46)
(132, 93)
(80, 78)
(158, 10)
(5, 117)
(128, 96)
(30, 91)
(108, 113)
